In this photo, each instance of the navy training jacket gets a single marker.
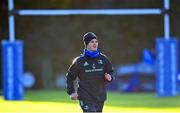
(90, 71)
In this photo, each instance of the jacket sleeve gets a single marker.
(109, 69)
(71, 75)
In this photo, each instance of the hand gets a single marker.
(74, 96)
(108, 77)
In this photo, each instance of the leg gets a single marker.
(99, 107)
(87, 107)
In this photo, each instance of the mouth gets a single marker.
(94, 45)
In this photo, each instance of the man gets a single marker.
(94, 71)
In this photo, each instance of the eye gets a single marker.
(94, 41)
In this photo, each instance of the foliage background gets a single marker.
(51, 42)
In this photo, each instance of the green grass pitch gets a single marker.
(57, 101)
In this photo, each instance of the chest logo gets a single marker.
(94, 66)
(100, 62)
(86, 64)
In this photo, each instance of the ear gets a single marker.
(85, 45)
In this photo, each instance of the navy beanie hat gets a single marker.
(88, 37)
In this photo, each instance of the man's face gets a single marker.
(92, 45)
